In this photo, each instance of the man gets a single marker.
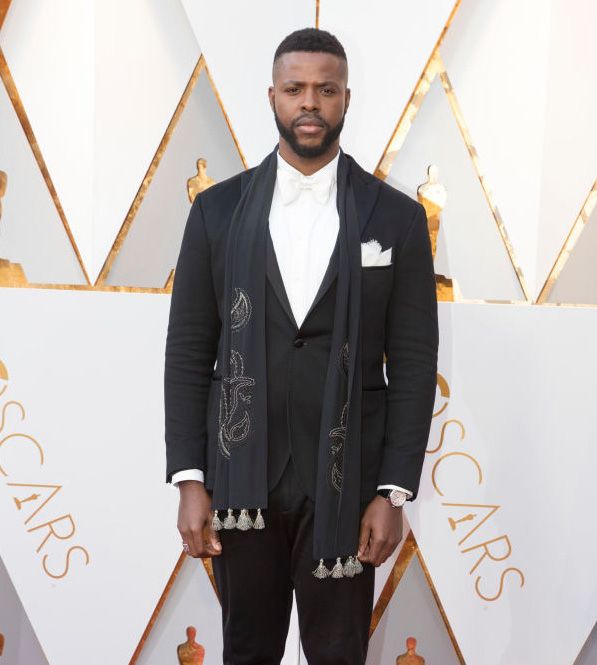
(293, 458)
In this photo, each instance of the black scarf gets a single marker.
(241, 467)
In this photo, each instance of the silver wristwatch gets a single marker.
(395, 497)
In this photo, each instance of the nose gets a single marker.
(310, 102)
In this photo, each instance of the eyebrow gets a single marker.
(303, 83)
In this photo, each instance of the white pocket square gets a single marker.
(371, 254)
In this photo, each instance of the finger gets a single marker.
(215, 545)
(376, 544)
(364, 536)
(387, 551)
(208, 550)
(188, 533)
(214, 538)
(196, 543)
(211, 542)
(187, 537)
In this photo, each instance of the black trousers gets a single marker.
(256, 573)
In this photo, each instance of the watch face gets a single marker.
(397, 497)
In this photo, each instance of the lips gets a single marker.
(309, 122)
(309, 127)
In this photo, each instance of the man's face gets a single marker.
(309, 99)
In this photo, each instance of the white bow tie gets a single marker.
(291, 184)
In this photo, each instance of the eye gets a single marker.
(292, 90)
(328, 91)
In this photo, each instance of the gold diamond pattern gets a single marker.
(434, 67)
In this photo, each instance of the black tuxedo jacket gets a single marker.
(399, 317)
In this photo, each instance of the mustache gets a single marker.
(310, 120)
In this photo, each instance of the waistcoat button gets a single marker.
(298, 342)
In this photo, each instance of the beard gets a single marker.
(309, 152)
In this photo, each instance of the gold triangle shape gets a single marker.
(100, 284)
(568, 246)
(435, 67)
(409, 549)
(153, 166)
(19, 109)
(162, 600)
(409, 112)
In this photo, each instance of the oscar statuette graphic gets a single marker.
(11, 274)
(432, 195)
(195, 185)
(200, 181)
(190, 652)
(410, 657)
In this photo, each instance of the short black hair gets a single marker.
(310, 39)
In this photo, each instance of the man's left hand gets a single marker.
(381, 531)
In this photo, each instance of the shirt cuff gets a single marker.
(187, 474)
(395, 487)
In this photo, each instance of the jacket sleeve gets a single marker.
(411, 346)
(191, 348)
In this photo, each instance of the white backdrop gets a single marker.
(104, 109)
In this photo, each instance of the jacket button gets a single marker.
(298, 342)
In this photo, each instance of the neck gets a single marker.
(307, 165)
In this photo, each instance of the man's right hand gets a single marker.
(194, 520)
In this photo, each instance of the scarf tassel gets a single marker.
(216, 523)
(230, 520)
(259, 522)
(351, 567)
(243, 522)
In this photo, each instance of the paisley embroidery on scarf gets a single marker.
(234, 419)
(338, 435)
(240, 312)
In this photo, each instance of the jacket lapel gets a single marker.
(366, 190)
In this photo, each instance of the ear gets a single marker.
(272, 96)
(347, 99)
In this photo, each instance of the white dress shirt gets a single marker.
(303, 224)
